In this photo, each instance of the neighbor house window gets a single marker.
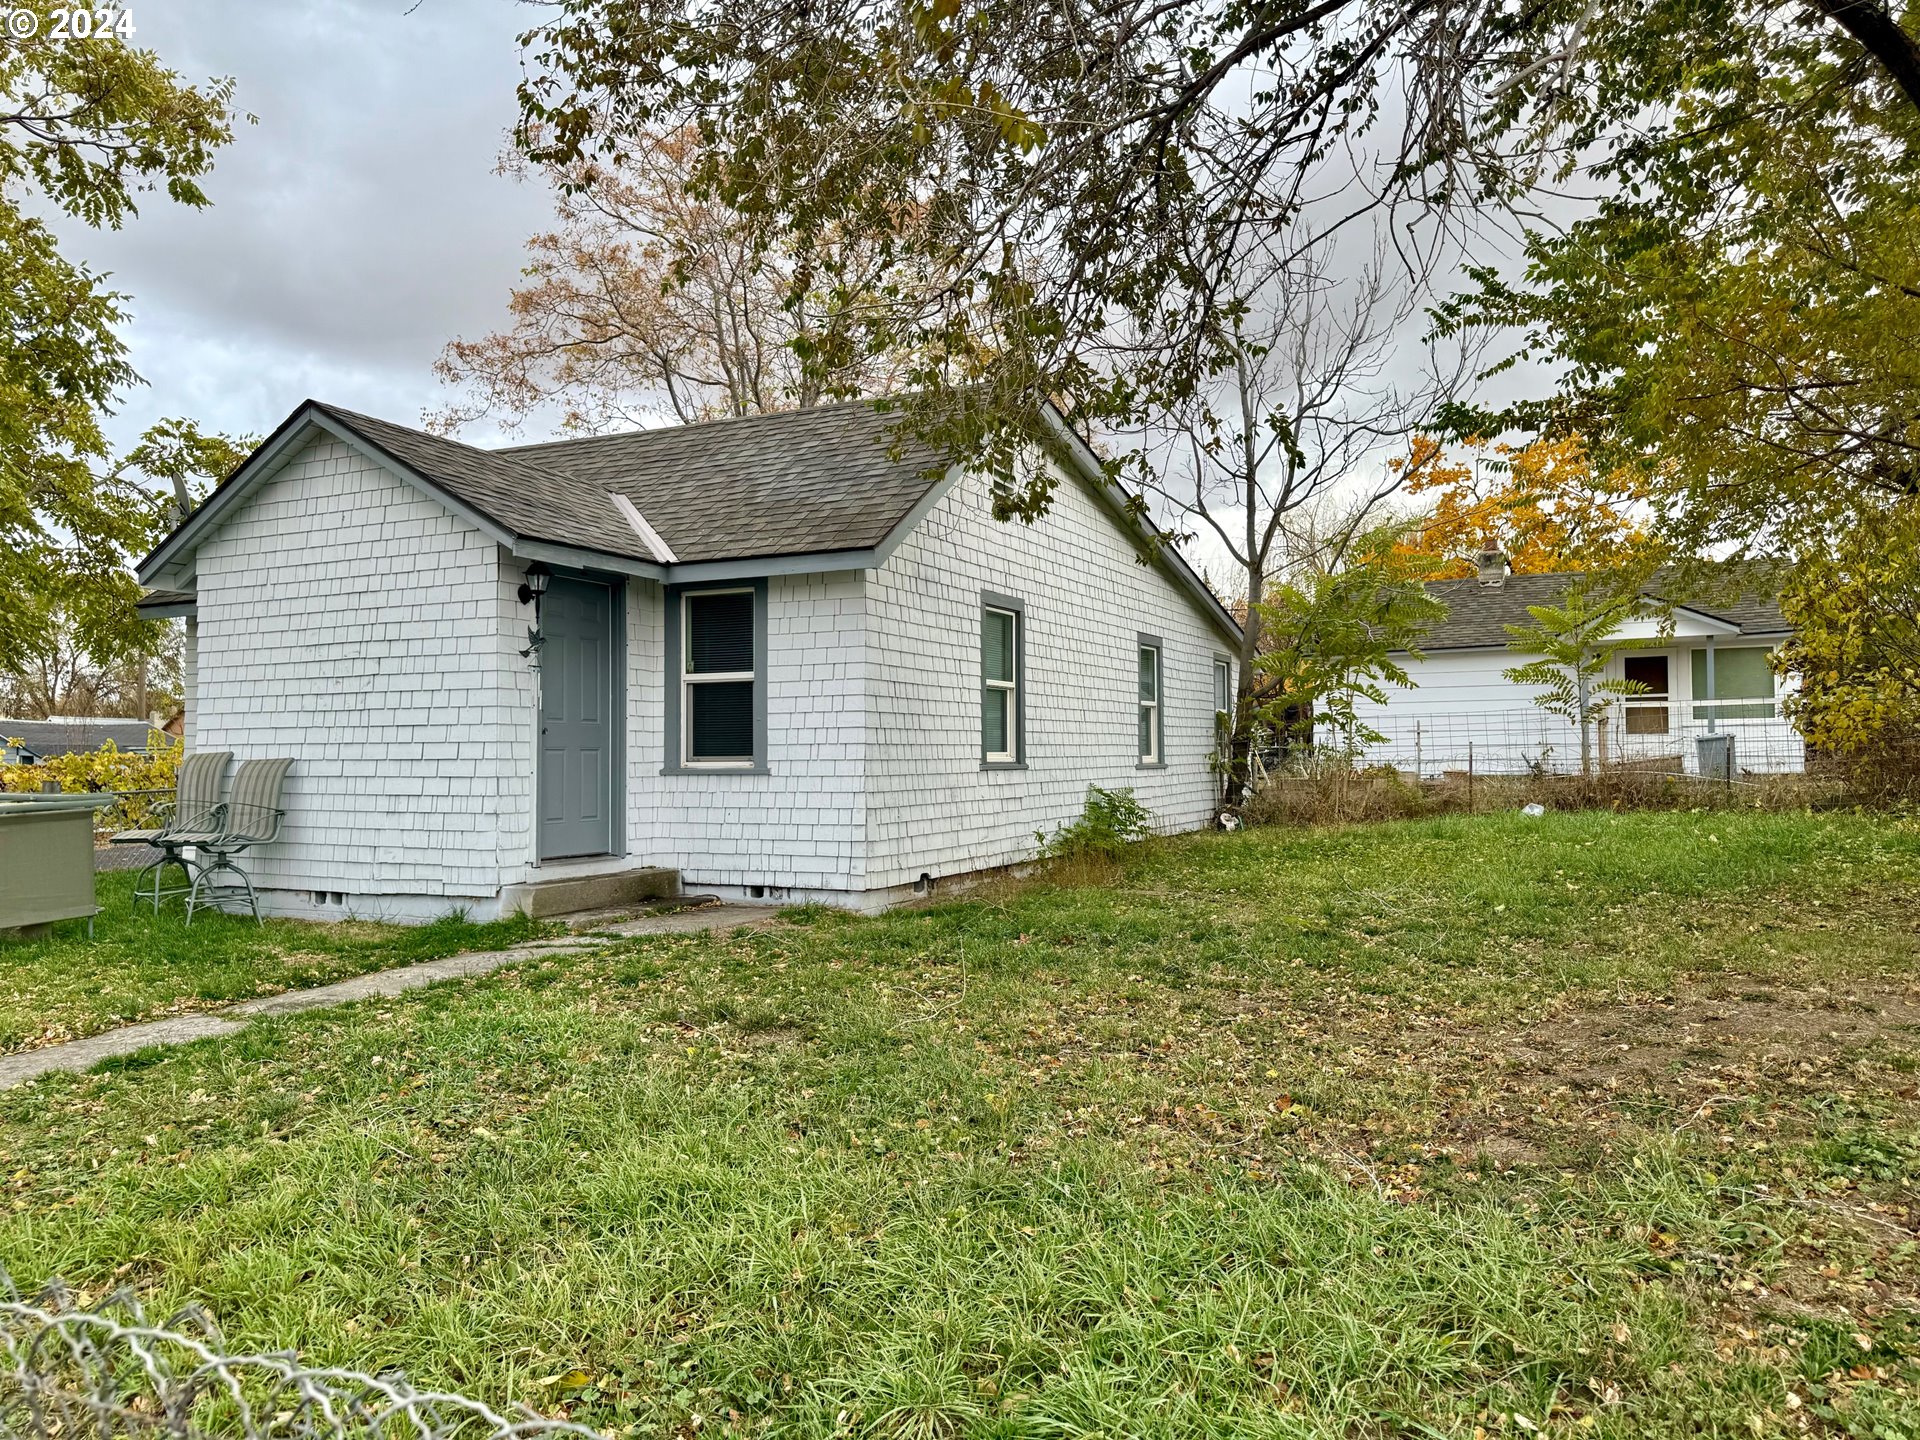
(718, 678)
(1740, 674)
(1001, 621)
(1152, 715)
(1647, 712)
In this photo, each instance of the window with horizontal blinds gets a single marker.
(720, 633)
(721, 721)
(718, 714)
(999, 685)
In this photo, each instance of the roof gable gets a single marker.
(809, 482)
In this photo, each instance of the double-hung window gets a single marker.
(1152, 709)
(1223, 698)
(1000, 681)
(717, 702)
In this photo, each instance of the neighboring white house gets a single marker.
(776, 657)
(1701, 653)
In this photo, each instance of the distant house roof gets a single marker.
(44, 739)
(1478, 615)
(824, 482)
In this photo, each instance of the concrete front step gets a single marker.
(571, 894)
(588, 920)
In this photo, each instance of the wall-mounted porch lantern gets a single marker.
(531, 590)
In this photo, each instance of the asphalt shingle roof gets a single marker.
(47, 738)
(822, 481)
(797, 482)
(1478, 615)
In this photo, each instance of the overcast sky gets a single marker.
(354, 229)
(356, 226)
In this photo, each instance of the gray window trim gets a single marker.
(1144, 641)
(992, 600)
(672, 700)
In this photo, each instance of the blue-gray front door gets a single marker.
(579, 738)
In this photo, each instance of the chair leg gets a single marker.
(205, 895)
(194, 902)
(148, 886)
(149, 876)
(253, 900)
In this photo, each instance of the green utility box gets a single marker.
(46, 858)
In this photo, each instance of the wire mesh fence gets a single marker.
(1726, 741)
(76, 1370)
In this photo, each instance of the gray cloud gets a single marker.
(354, 229)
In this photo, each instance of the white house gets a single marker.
(776, 659)
(1701, 653)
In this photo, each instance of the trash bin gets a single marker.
(1716, 756)
(46, 858)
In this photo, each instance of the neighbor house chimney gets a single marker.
(1493, 567)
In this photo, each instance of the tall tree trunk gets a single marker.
(1245, 698)
(1873, 25)
(1240, 748)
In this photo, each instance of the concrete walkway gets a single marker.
(79, 1055)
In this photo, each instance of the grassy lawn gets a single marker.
(138, 967)
(1587, 1125)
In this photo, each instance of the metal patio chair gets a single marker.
(250, 817)
(192, 815)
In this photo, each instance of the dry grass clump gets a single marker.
(1345, 796)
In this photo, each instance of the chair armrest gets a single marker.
(211, 821)
(249, 824)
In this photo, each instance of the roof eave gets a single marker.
(167, 565)
(166, 609)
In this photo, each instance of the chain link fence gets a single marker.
(75, 1370)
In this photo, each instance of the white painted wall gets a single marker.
(189, 664)
(352, 623)
(1461, 698)
(799, 830)
(932, 809)
(349, 622)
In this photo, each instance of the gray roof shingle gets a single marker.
(792, 483)
(1478, 615)
(47, 738)
(826, 481)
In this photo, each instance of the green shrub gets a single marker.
(1110, 821)
(129, 772)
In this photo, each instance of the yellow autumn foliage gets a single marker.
(108, 768)
(1541, 504)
